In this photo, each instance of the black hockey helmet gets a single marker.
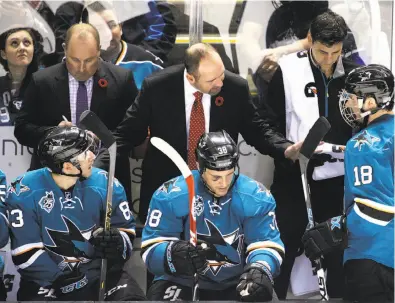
(65, 144)
(216, 151)
(373, 80)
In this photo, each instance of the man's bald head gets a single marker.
(205, 69)
(82, 51)
(84, 32)
(194, 55)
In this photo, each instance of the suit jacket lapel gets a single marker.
(61, 89)
(98, 93)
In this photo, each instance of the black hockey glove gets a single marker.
(325, 237)
(69, 282)
(256, 283)
(183, 259)
(108, 244)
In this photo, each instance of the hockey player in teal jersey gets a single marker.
(366, 231)
(55, 217)
(4, 235)
(239, 251)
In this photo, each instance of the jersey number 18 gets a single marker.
(363, 175)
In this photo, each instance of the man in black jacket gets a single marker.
(83, 79)
(165, 105)
(305, 86)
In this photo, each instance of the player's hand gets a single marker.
(292, 152)
(325, 237)
(68, 283)
(256, 283)
(108, 244)
(183, 259)
(65, 124)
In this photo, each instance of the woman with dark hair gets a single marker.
(19, 57)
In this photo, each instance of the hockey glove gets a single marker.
(256, 283)
(69, 282)
(108, 244)
(183, 259)
(325, 237)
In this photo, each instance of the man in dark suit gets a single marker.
(166, 103)
(82, 82)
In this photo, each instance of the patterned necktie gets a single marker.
(82, 100)
(196, 128)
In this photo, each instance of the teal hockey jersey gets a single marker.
(50, 229)
(241, 226)
(3, 214)
(369, 192)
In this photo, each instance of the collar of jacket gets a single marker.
(339, 69)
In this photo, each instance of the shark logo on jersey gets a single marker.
(68, 202)
(17, 187)
(72, 244)
(261, 188)
(47, 202)
(364, 138)
(225, 249)
(116, 182)
(169, 186)
(199, 205)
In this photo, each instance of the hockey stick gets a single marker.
(90, 121)
(174, 156)
(313, 138)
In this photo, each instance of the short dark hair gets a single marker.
(193, 56)
(328, 28)
(81, 29)
(36, 38)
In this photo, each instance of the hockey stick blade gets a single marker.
(174, 156)
(90, 121)
(314, 137)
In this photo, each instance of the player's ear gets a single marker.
(67, 166)
(3, 55)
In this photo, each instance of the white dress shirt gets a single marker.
(73, 88)
(189, 90)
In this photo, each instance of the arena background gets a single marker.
(370, 21)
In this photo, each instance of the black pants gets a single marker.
(169, 291)
(368, 281)
(3, 291)
(327, 202)
(119, 287)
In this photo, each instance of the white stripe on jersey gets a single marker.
(145, 254)
(375, 205)
(128, 230)
(272, 251)
(159, 239)
(265, 244)
(31, 260)
(127, 239)
(24, 248)
(369, 219)
(2, 192)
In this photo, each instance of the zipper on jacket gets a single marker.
(326, 93)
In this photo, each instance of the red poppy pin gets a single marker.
(219, 101)
(103, 82)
